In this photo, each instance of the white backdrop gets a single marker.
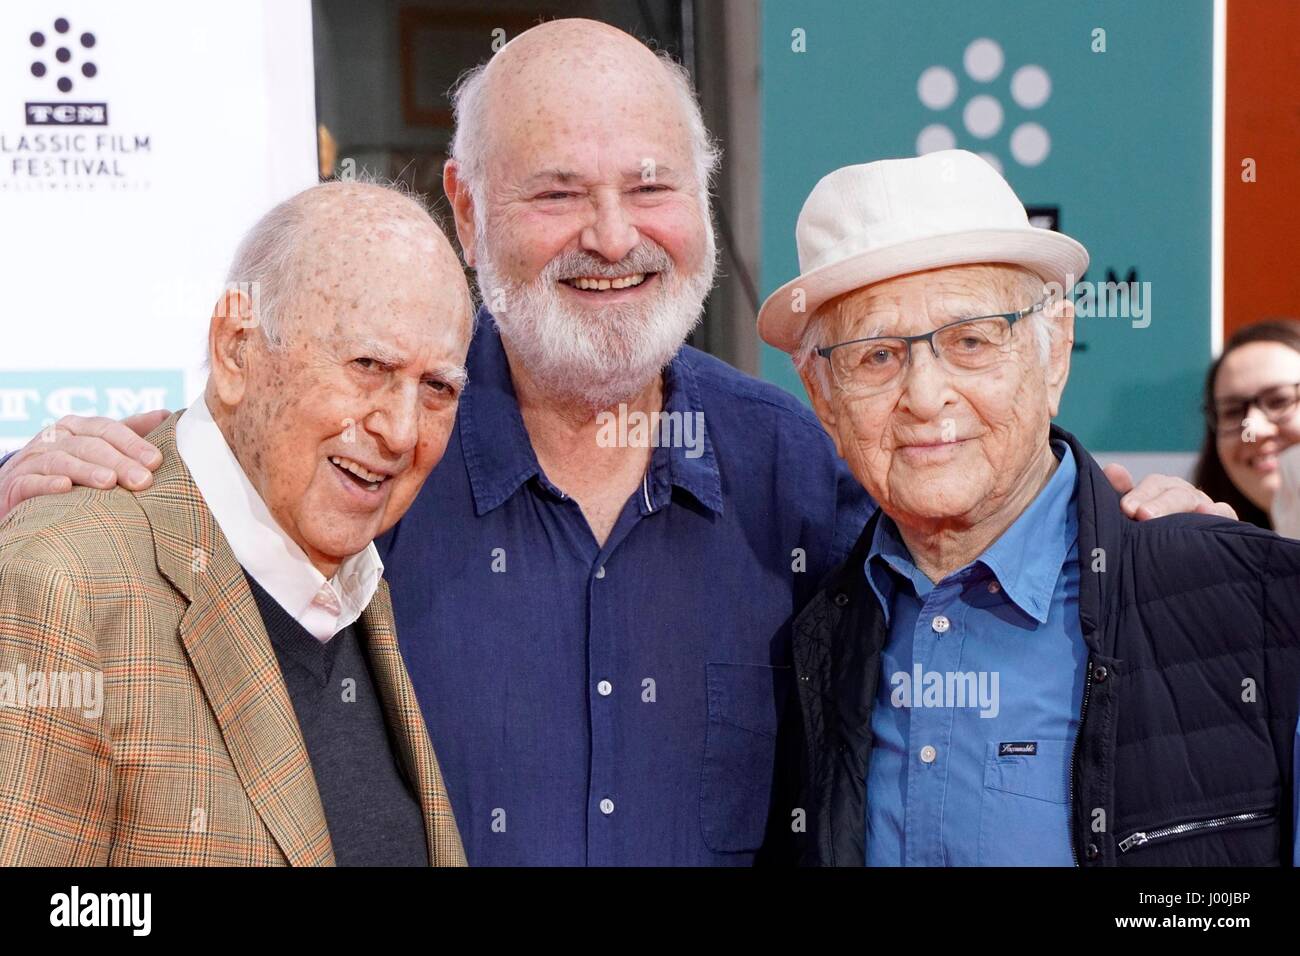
(187, 122)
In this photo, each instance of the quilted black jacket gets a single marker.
(1184, 753)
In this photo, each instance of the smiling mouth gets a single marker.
(606, 283)
(1265, 459)
(1263, 464)
(918, 453)
(933, 444)
(359, 473)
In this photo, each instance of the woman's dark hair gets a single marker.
(1210, 475)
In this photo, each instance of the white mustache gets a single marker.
(647, 257)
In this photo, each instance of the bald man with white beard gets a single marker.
(597, 623)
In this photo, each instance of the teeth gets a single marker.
(597, 284)
(356, 469)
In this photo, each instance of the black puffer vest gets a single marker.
(1188, 721)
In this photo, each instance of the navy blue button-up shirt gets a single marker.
(978, 702)
(618, 704)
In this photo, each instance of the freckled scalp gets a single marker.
(560, 72)
(547, 50)
(337, 240)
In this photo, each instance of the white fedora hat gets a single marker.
(875, 221)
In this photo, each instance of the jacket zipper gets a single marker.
(1074, 756)
(1143, 837)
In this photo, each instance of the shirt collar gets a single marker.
(1026, 559)
(499, 456)
(261, 546)
(693, 469)
(887, 552)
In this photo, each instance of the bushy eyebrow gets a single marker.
(878, 329)
(375, 350)
(562, 176)
(658, 170)
(566, 177)
(453, 374)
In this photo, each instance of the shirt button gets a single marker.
(607, 806)
(994, 587)
(326, 599)
(605, 688)
(940, 624)
(928, 754)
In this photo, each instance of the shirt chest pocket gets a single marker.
(740, 745)
(1024, 807)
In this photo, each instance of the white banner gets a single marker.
(139, 139)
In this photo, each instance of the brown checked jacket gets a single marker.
(191, 755)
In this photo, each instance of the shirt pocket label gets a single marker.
(1024, 811)
(744, 703)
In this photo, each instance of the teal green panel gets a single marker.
(1128, 168)
(31, 400)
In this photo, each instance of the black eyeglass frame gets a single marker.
(928, 337)
(1212, 413)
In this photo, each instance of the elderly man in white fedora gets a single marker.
(1006, 670)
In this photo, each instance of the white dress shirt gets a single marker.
(271, 557)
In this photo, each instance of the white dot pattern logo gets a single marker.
(983, 59)
(983, 115)
(937, 88)
(1031, 86)
(1030, 144)
(934, 138)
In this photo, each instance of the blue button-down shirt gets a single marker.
(978, 705)
(615, 704)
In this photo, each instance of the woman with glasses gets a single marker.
(1251, 398)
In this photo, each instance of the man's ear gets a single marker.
(822, 403)
(230, 333)
(462, 208)
(1061, 318)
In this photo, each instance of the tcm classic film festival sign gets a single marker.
(138, 141)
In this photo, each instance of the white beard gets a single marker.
(598, 355)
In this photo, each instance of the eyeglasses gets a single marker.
(1277, 403)
(965, 347)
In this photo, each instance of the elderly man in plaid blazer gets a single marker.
(207, 672)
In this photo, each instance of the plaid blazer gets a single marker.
(196, 758)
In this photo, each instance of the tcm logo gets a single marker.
(67, 114)
(65, 58)
(31, 400)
